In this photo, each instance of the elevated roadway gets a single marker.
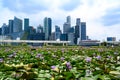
(34, 41)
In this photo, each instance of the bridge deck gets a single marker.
(33, 41)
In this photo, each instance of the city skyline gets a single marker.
(101, 16)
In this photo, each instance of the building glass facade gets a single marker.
(26, 24)
(17, 25)
(83, 30)
(5, 29)
(10, 26)
(47, 27)
(57, 32)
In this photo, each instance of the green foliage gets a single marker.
(24, 44)
(70, 63)
(104, 43)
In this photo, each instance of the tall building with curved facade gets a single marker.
(17, 25)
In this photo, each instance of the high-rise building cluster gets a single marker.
(14, 30)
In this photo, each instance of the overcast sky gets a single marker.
(102, 17)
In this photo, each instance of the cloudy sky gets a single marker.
(102, 17)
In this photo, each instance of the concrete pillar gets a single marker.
(63, 44)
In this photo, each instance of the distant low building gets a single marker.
(39, 29)
(111, 38)
(63, 37)
(89, 43)
(32, 30)
(2, 37)
(37, 36)
(15, 35)
(52, 37)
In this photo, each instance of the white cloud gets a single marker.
(92, 13)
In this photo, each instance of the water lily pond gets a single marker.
(59, 63)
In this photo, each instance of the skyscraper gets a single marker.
(32, 30)
(83, 30)
(111, 38)
(77, 30)
(10, 25)
(39, 29)
(47, 27)
(78, 21)
(26, 24)
(0, 31)
(17, 25)
(67, 25)
(66, 28)
(69, 20)
(57, 32)
(76, 34)
(5, 29)
(71, 38)
(64, 37)
(80, 31)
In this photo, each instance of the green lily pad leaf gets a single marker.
(9, 79)
(115, 72)
(40, 79)
(86, 78)
(42, 71)
(118, 68)
(101, 77)
(41, 75)
(47, 75)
